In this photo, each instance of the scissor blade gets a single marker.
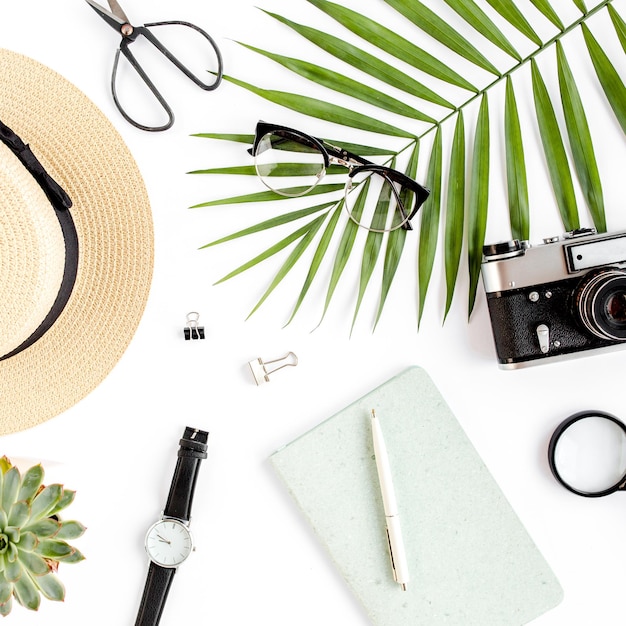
(112, 20)
(117, 10)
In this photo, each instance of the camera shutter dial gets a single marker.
(503, 250)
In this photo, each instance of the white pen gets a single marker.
(399, 563)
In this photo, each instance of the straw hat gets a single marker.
(84, 271)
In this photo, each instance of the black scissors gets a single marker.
(116, 18)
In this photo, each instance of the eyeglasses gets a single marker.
(376, 197)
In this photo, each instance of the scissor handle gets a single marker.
(125, 50)
(157, 94)
(161, 48)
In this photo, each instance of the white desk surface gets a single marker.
(257, 561)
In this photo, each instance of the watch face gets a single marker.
(168, 542)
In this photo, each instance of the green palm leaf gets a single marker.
(607, 75)
(389, 41)
(345, 85)
(509, 11)
(345, 245)
(438, 28)
(263, 196)
(323, 110)
(580, 141)
(292, 259)
(478, 201)
(239, 138)
(556, 157)
(429, 230)
(455, 210)
(271, 223)
(565, 135)
(373, 245)
(547, 10)
(517, 184)
(619, 24)
(395, 243)
(475, 16)
(281, 245)
(318, 257)
(365, 62)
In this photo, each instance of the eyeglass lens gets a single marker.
(590, 455)
(376, 202)
(288, 166)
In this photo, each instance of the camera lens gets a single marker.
(601, 301)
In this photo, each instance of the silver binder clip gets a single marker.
(192, 330)
(259, 369)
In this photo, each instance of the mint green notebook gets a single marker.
(471, 561)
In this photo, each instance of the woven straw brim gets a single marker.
(82, 150)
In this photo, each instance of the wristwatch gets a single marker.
(168, 541)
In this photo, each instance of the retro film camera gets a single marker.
(557, 299)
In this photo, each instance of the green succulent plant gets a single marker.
(33, 539)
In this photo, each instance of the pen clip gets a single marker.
(393, 564)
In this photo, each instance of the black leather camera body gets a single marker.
(560, 299)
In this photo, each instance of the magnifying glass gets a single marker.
(587, 454)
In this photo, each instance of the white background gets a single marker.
(257, 561)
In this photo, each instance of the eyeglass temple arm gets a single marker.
(406, 224)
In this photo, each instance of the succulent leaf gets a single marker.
(12, 533)
(53, 549)
(5, 465)
(6, 589)
(27, 593)
(31, 482)
(13, 570)
(28, 541)
(20, 512)
(44, 527)
(70, 529)
(75, 557)
(35, 564)
(5, 608)
(4, 520)
(51, 587)
(66, 499)
(45, 502)
(10, 488)
(11, 553)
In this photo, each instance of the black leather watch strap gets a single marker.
(155, 592)
(193, 447)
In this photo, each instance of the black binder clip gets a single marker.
(192, 330)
